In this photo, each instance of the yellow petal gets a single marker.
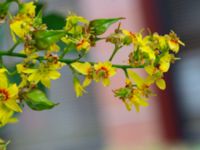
(82, 68)
(12, 120)
(164, 66)
(12, 104)
(20, 27)
(161, 84)
(78, 87)
(112, 72)
(149, 51)
(28, 70)
(46, 82)
(106, 82)
(35, 77)
(149, 69)
(128, 105)
(150, 80)
(13, 90)
(86, 82)
(136, 78)
(137, 107)
(54, 75)
(3, 81)
(174, 46)
(29, 9)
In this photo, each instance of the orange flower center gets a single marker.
(4, 95)
(103, 72)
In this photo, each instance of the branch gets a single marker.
(66, 61)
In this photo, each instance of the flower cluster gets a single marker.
(155, 53)
(43, 58)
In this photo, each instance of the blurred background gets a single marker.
(98, 121)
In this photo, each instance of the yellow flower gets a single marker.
(83, 45)
(164, 63)
(20, 26)
(128, 33)
(137, 100)
(132, 96)
(103, 71)
(144, 45)
(22, 23)
(155, 76)
(74, 24)
(28, 9)
(100, 72)
(174, 42)
(44, 73)
(9, 95)
(85, 69)
(162, 41)
(54, 48)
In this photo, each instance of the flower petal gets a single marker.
(12, 104)
(13, 90)
(82, 68)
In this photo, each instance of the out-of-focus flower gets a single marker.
(174, 42)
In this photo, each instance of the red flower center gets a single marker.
(4, 95)
(103, 72)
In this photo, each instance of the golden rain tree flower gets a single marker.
(8, 94)
(85, 69)
(131, 95)
(22, 23)
(103, 72)
(83, 45)
(44, 73)
(76, 33)
(28, 9)
(155, 75)
(141, 43)
(160, 41)
(174, 42)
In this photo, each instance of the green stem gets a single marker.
(14, 46)
(125, 72)
(64, 53)
(66, 61)
(1, 61)
(114, 53)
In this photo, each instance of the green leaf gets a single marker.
(99, 26)
(54, 21)
(3, 11)
(38, 18)
(37, 100)
(44, 39)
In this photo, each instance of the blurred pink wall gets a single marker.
(122, 128)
